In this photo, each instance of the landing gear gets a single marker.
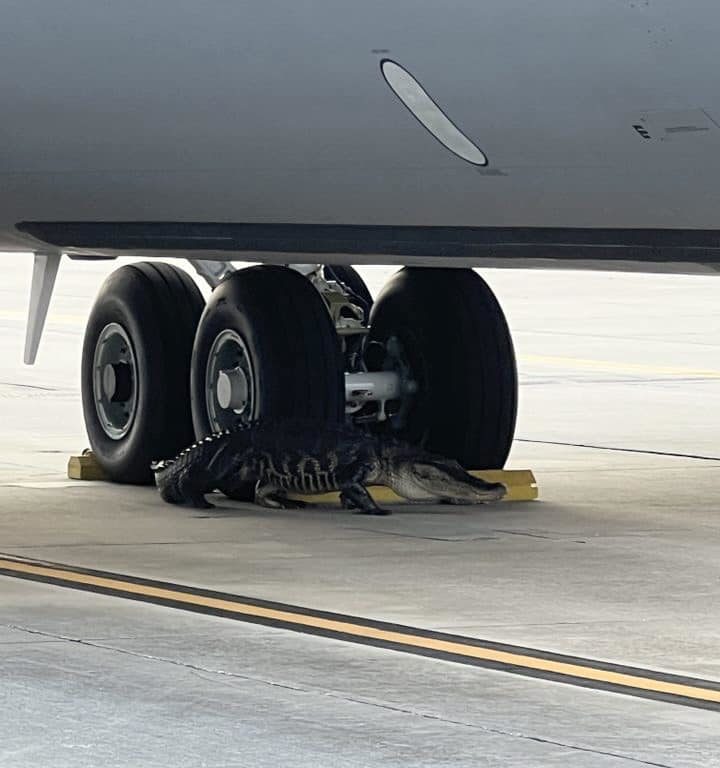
(444, 334)
(136, 368)
(431, 361)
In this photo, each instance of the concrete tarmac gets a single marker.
(617, 562)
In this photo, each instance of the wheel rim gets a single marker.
(229, 382)
(115, 387)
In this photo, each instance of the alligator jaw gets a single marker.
(441, 480)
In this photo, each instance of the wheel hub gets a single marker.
(232, 389)
(229, 387)
(115, 381)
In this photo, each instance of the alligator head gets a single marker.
(433, 478)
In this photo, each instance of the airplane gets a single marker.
(310, 136)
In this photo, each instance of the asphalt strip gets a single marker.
(513, 659)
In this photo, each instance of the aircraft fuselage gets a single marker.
(592, 116)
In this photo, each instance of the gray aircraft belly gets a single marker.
(592, 113)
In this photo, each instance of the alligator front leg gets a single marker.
(356, 496)
(200, 502)
(190, 495)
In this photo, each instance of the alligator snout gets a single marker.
(474, 490)
(442, 480)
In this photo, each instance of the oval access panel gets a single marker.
(417, 100)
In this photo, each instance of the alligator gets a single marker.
(311, 458)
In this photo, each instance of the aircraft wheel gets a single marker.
(265, 348)
(445, 334)
(136, 368)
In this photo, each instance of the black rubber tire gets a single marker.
(459, 348)
(349, 276)
(159, 306)
(290, 339)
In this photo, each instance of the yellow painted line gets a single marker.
(362, 631)
(53, 318)
(614, 366)
(619, 367)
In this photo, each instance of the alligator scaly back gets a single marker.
(298, 456)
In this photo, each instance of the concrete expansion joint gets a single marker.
(151, 657)
(506, 733)
(363, 701)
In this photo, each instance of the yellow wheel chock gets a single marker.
(520, 483)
